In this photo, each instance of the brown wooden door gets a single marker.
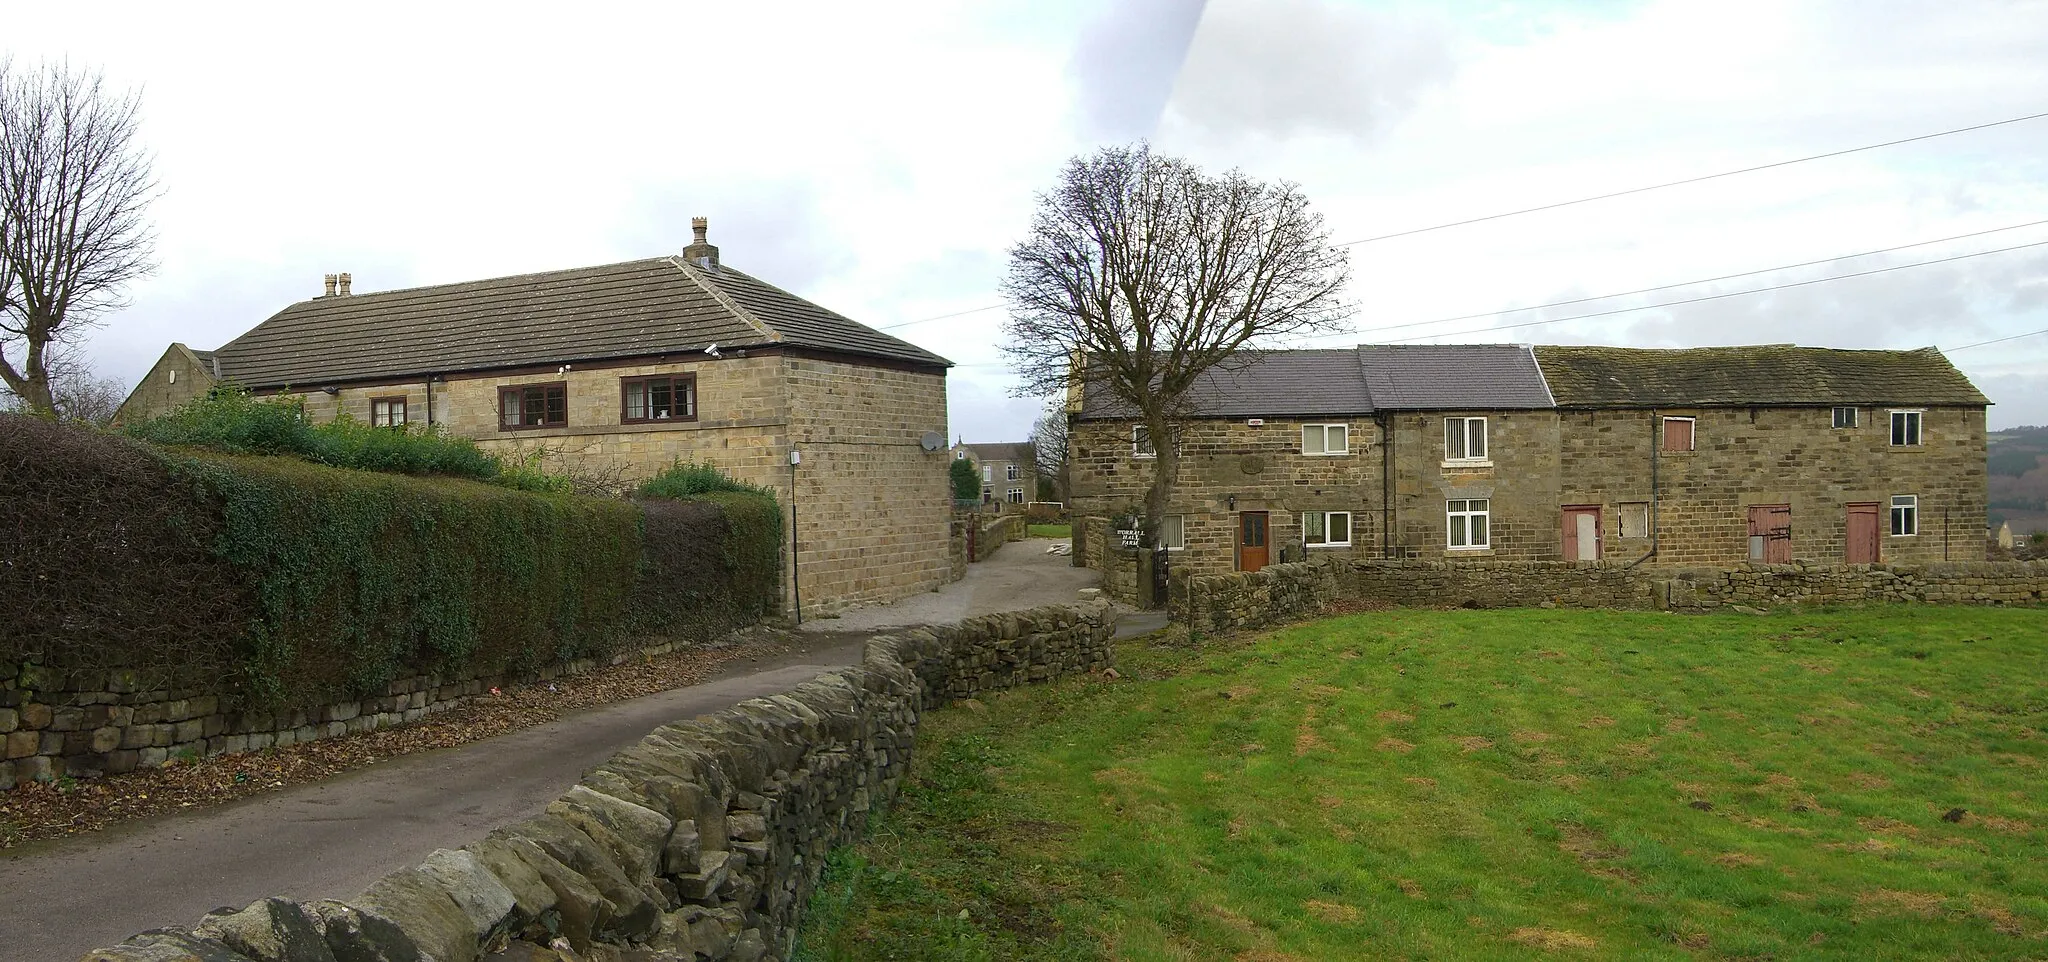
(1862, 534)
(1770, 533)
(1582, 532)
(1251, 540)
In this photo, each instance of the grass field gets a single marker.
(1049, 530)
(1868, 784)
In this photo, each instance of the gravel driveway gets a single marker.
(1020, 575)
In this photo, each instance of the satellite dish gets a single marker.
(931, 441)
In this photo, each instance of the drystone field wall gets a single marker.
(702, 842)
(998, 531)
(1291, 592)
(76, 724)
(1242, 600)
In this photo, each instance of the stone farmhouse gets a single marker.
(1703, 456)
(631, 367)
(1009, 473)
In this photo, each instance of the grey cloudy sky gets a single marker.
(881, 160)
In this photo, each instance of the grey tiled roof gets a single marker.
(1759, 375)
(1438, 377)
(1000, 451)
(653, 306)
(1268, 383)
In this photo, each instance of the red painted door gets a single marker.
(1582, 532)
(1251, 541)
(1770, 533)
(1862, 534)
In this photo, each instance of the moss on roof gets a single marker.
(1757, 375)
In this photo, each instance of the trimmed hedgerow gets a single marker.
(277, 582)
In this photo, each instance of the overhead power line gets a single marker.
(1716, 297)
(1996, 340)
(1692, 180)
(927, 320)
(1666, 287)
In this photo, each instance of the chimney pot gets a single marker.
(701, 252)
(329, 286)
(344, 283)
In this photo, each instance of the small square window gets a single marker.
(387, 412)
(1325, 439)
(1905, 515)
(1905, 428)
(1678, 434)
(1845, 417)
(1173, 532)
(1635, 519)
(1141, 443)
(1468, 523)
(1326, 529)
(1464, 439)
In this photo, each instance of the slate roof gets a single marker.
(1000, 451)
(642, 307)
(1439, 377)
(1759, 375)
(1266, 384)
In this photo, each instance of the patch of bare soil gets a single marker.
(1551, 940)
(64, 808)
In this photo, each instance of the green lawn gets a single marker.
(1049, 530)
(1866, 784)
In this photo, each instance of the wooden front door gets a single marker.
(1862, 534)
(1251, 540)
(1770, 533)
(1582, 532)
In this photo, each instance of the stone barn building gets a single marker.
(630, 367)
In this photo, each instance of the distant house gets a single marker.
(1623, 455)
(1009, 473)
(632, 366)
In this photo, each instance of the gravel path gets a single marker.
(1019, 575)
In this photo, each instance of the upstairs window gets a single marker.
(1325, 439)
(387, 412)
(665, 397)
(1905, 429)
(1141, 442)
(1678, 434)
(1845, 417)
(988, 473)
(533, 406)
(1326, 529)
(1009, 472)
(1905, 515)
(1464, 439)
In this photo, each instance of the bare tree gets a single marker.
(73, 188)
(1049, 451)
(77, 392)
(1142, 272)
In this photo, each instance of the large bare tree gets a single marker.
(1049, 451)
(74, 184)
(1143, 272)
(77, 393)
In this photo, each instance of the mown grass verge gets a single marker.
(1485, 785)
(1049, 530)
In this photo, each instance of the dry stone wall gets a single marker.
(702, 842)
(996, 532)
(1243, 600)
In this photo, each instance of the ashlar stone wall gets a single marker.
(703, 841)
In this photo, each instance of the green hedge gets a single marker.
(280, 582)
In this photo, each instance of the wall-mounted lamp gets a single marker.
(1230, 501)
(330, 391)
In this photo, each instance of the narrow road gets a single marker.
(1019, 575)
(332, 838)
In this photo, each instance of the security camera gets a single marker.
(564, 369)
(712, 350)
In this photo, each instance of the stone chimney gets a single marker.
(330, 281)
(700, 252)
(344, 277)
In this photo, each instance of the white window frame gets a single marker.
(1016, 495)
(1906, 508)
(1855, 417)
(1917, 417)
(1141, 443)
(988, 474)
(1324, 431)
(1468, 513)
(1180, 522)
(1692, 436)
(1325, 517)
(1465, 439)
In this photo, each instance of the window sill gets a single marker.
(1326, 454)
(1487, 550)
(1332, 544)
(670, 420)
(1455, 463)
(531, 427)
